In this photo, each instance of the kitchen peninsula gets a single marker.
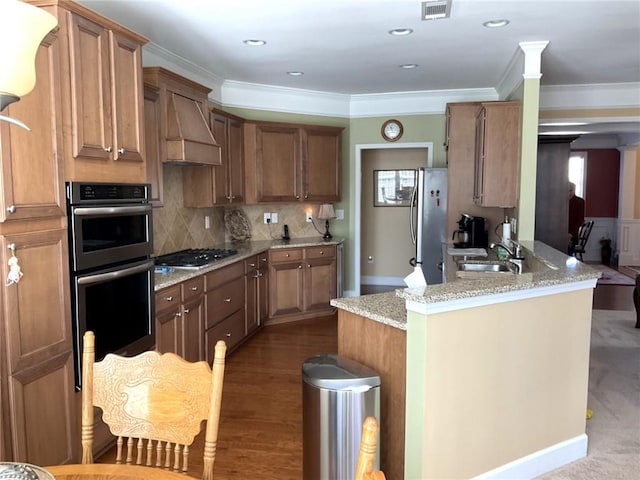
(483, 376)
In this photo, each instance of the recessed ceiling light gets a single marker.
(295, 74)
(409, 66)
(496, 23)
(254, 42)
(400, 32)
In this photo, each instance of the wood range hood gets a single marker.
(188, 139)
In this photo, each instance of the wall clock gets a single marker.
(392, 130)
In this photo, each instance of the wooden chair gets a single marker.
(367, 454)
(583, 237)
(157, 402)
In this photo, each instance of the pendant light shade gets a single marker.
(23, 28)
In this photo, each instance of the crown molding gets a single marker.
(253, 96)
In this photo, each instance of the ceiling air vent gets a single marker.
(435, 10)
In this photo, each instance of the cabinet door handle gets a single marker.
(306, 196)
(298, 197)
(108, 149)
(299, 266)
(121, 151)
(169, 298)
(233, 197)
(187, 310)
(178, 314)
(287, 255)
(194, 289)
(252, 265)
(308, 265)
(228, 300)
(321, 252)
(263, 259)
(228, 335)
(11, 209)
(229, 197)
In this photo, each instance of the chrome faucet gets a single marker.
(515, 254)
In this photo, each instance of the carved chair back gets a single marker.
(154, 404)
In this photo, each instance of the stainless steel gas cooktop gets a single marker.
(193, 258)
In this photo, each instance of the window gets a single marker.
(577, 161)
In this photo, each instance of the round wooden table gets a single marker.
(109, 471)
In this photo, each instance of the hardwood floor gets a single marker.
(260, 433)
(261, 421)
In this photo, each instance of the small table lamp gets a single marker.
(325, 213)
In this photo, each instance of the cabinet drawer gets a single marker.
(168, 298)
(192, 288)
(285, 255)
(224, 275)
(224, 300)
(230, 330)
(324, 251)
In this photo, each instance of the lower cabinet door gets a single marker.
(231, 330)
(192, 329)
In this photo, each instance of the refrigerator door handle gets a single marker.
(412, 224)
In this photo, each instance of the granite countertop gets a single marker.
(385, 308)
(544, 267)
(245, 250)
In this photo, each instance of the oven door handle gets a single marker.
(103, 277)
(84, 211)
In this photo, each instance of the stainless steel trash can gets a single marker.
(338, 393)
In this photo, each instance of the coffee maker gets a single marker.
(471, 232)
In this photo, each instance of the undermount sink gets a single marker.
(484, 267)
(477, 267)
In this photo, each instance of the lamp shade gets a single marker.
(326, 211)
(23, 28)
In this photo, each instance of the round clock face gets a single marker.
(391, 130)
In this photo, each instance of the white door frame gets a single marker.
(357, 188)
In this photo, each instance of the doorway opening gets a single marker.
(379, 229)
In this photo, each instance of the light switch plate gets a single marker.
(339, 214)
(274, 217)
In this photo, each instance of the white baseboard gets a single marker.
(540, 462)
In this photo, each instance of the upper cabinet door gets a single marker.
(127, 95)
(321, 168)
(32, 183)
(91, 120)
(278, 163)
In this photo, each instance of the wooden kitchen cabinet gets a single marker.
(257, 294)
(302, 281)
(32, 175)
(102, 98)
(180, 319)
(37, 385)
(292, 163)
(497, 155)
(222, 184)
(225, 307)
(37, 395)
(152, 143)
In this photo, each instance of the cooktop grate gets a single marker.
(193, 257)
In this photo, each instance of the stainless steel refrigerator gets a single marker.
(428, 221)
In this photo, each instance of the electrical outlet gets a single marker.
(274, 217)
(308, 217)
(207, 222)
(267, 218)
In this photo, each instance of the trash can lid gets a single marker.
(336, 372)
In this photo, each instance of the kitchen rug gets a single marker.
(611, 276)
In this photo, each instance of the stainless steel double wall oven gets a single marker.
(110, 247)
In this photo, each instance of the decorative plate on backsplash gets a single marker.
(237, 224)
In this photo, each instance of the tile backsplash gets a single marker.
(176, 227)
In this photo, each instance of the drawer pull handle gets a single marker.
(252, 265)
(194, 289)
(169, 298)
(321, 252)
(187, 310)
(228, 300)
(308, 265)
(121, 151)
(287, 255)
(263, 259)
(178, 314)
(228, 335)
(11, 209)
(299, 266)
(108, 149)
